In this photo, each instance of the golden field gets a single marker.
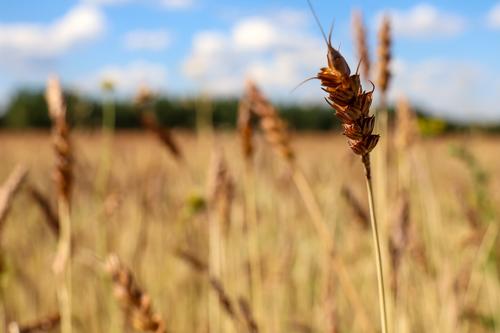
(130, 197)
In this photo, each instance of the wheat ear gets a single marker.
(352, 105)
(361, 43)
(246, 132)
(136, 304)
(63, 177)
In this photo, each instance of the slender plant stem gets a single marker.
(376, 243)
(62, 266)
(252, 239)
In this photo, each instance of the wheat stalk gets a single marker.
(361, 43)
(352, 105)
(246, 132)
(9, 190)
(63, 177)
(135, 303)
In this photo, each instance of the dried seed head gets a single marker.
(220, 189)
(352, 104)
(63, 173)
(135, 303)
(275, 129)
(245, 126)
(55, 101)
(384, 55)
(361, 43)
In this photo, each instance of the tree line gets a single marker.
(28, 109)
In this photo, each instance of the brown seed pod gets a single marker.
(245, 127)
(384, 55)
(352, 104)
(63, 173)
(275, 129)
(135, 303)
(361, 43)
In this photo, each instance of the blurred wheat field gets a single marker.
(151, 207)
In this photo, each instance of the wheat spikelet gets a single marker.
(135, 303)
(143, 100)
(245, 127)
(352, 104)
(361, 43)
(384, 56)
(46, 324)
(9, 190)
(43, 202)
(63, 175)
(220, 189)
(275, 129)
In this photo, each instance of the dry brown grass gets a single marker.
(147, 186)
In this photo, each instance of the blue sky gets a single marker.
(445, 52)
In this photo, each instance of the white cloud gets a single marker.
(177, 4)
(437, 85)
(424, 21)
(35, 41)
(493, 17)
(126, 78)
(148, 40)
(260, 48)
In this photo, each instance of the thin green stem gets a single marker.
(376, 242)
